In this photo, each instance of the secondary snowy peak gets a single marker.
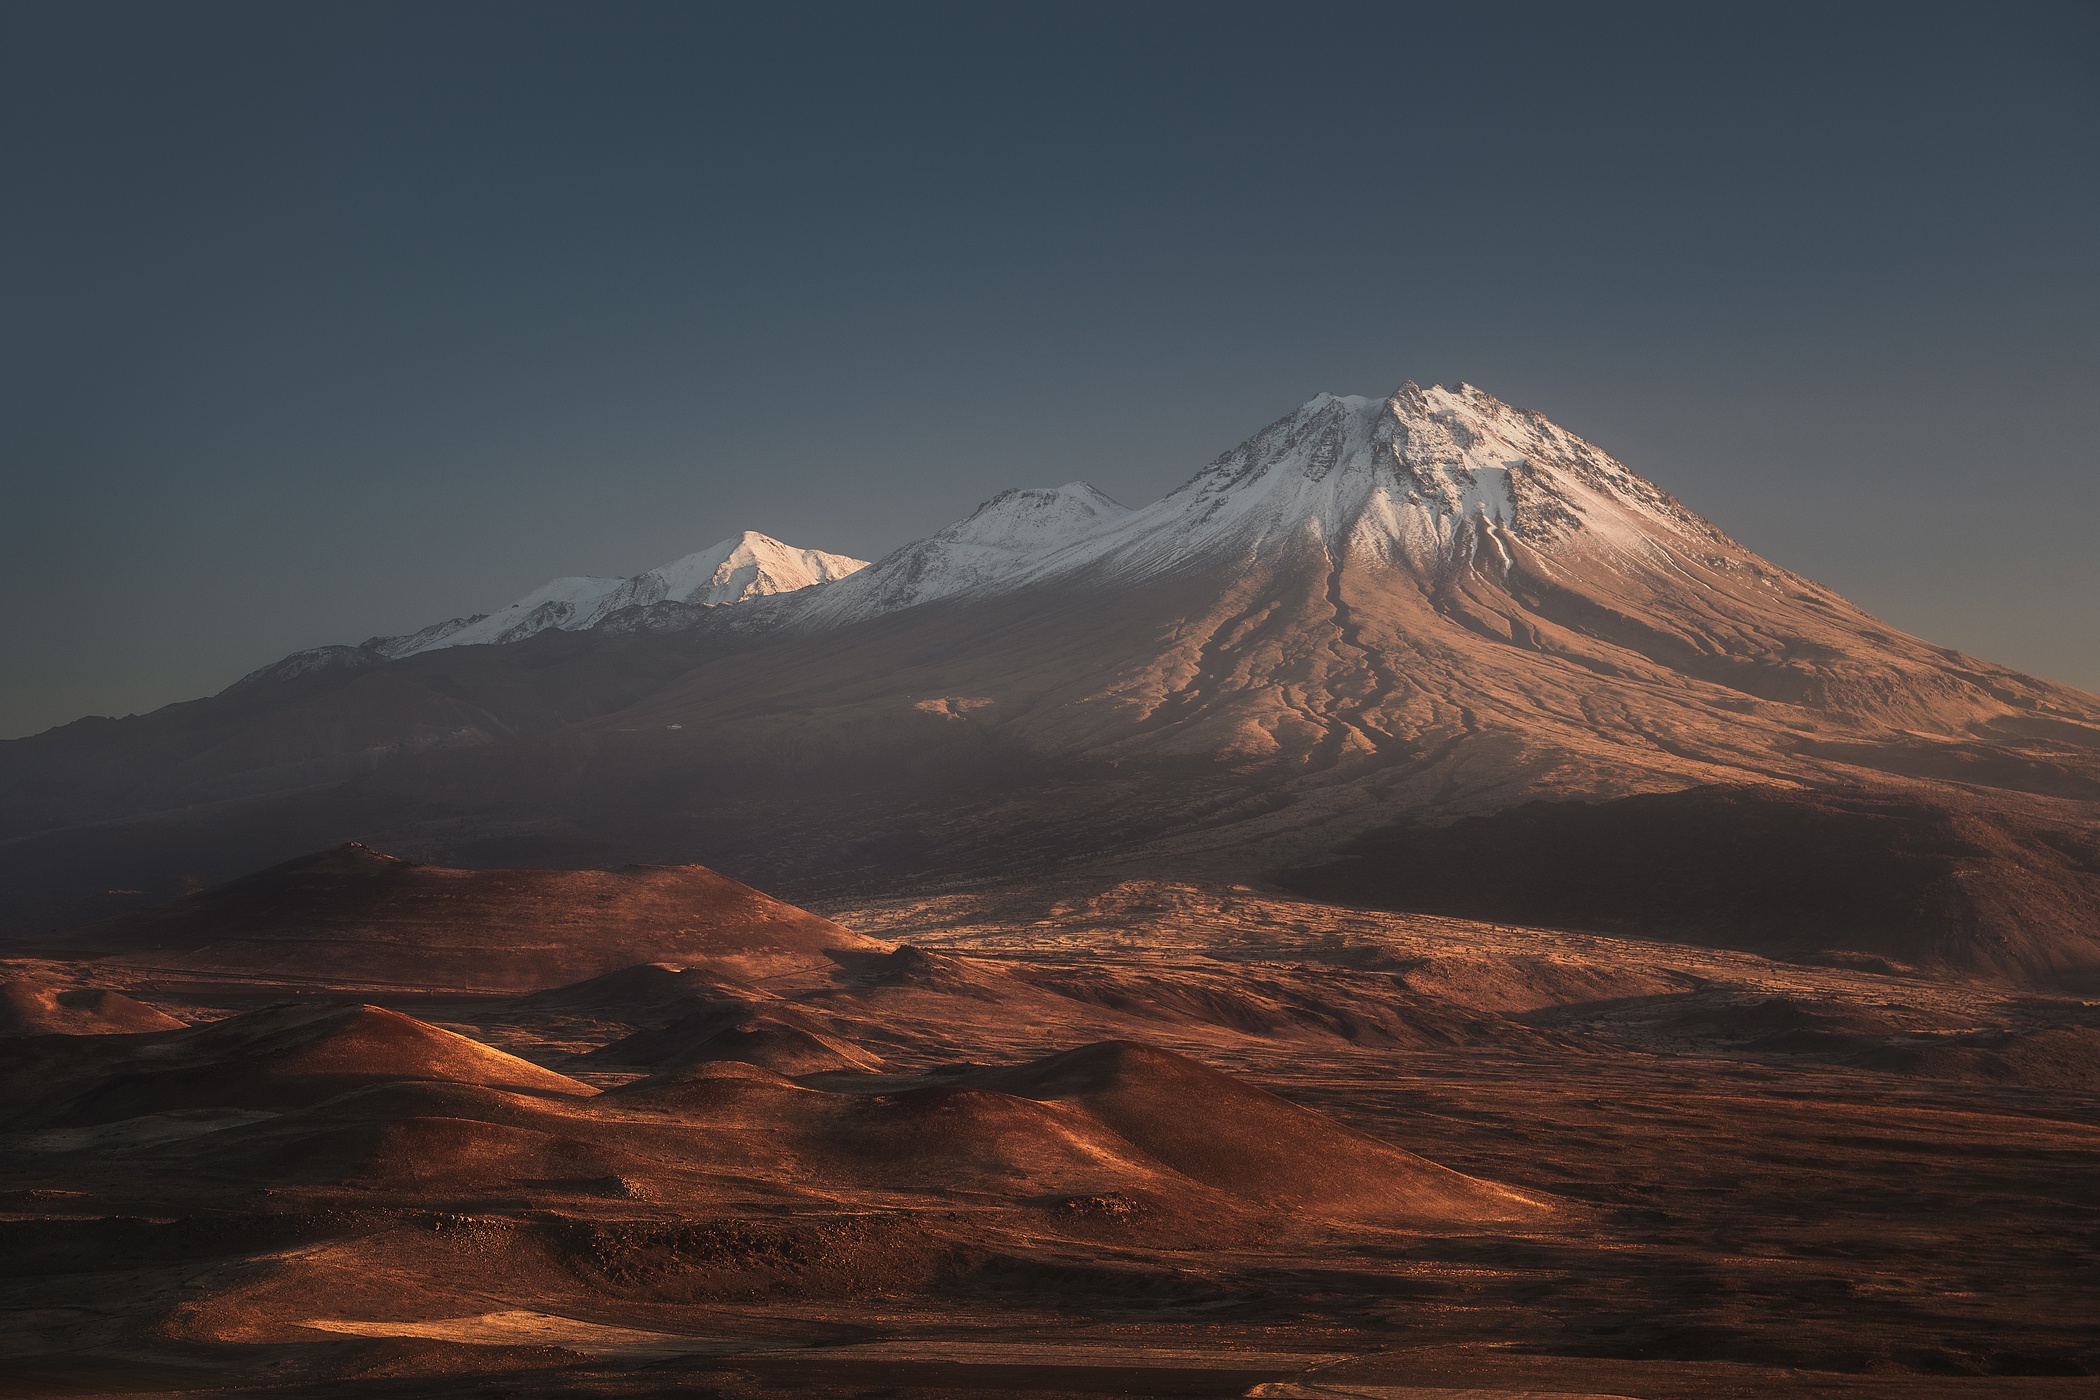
(565, 603)
(746, 566)
(1426, 481)
(735, 571)
(997, 546)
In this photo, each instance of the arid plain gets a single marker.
(1140, 1138)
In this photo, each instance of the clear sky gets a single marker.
(320, 321)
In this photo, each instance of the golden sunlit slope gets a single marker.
(278, 1058)
(28, 1008)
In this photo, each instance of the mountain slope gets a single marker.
(735, 571)
(998, 545)
(1438, 512)
(1850, 876)
(1418, 607)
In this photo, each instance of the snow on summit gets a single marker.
(987, 552)
(746, 566)
(1424, 478)
(1420, 487)
(1421, 481)
(735, 571)
(750, 566)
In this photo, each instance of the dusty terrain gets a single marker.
(1132, 1138)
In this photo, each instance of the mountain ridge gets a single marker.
(1421, 607)
(736, 570)
(1428, 477)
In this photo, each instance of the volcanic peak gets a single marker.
(736, 570)
(1423, 478)
(1425, 481)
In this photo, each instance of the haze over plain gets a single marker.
(329, 323)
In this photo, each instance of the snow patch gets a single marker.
(977, 555)
(737, 570)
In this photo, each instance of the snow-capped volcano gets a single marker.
(1424, 605)
(1361, 568)
(1425, 480)
(1309, 592)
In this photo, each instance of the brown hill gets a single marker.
(778, 1036)
(1117, 1121)
(1225, 1133)
(282, 1057)
(380, 1143)
(355, 916)
(353, 1095)
(645, 994)
(29, 1009)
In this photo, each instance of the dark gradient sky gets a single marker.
(320, 321)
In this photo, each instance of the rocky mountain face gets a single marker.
(1406, 609)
